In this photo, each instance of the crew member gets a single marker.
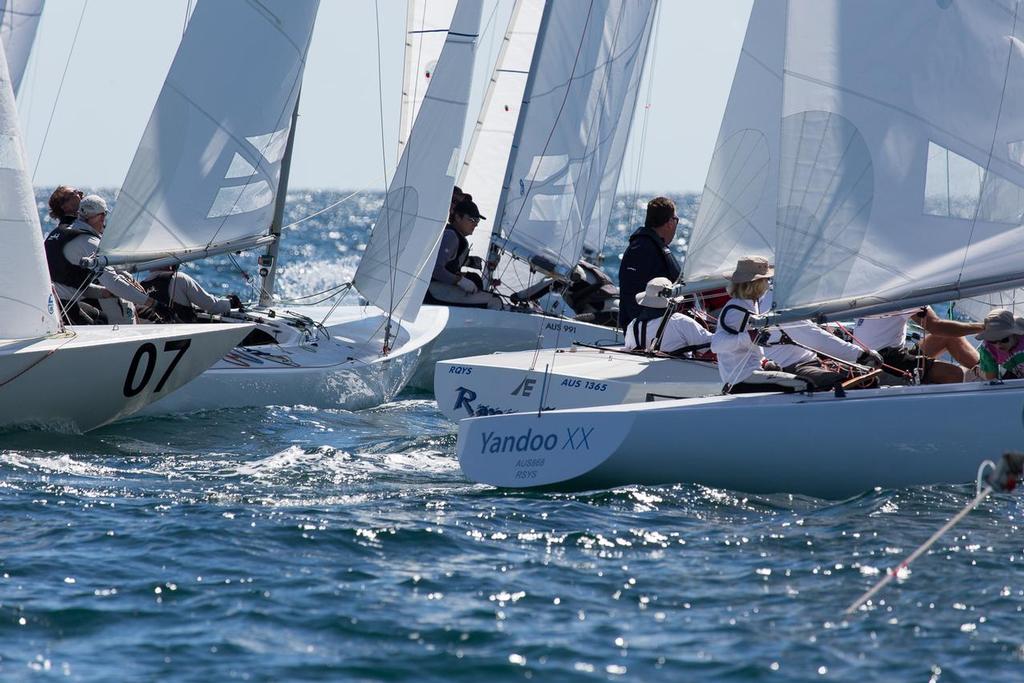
(449, 284)
(648, 256)
(180, 293)
(679, 333)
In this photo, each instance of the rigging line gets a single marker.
(992, 145)
(188, 11)
(326, 208)
(647, 116)
(60, 88)
(384, 162)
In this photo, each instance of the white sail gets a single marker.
(26, 299)
(737, 208)
(206, 172)
(902, 172)
(596, 230)
(582, 68)
(395, 269)
(483, 170)
(426, 28)
(19, 20)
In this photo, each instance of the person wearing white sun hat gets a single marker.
(678, 332)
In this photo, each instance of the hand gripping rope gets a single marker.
(1001, 478)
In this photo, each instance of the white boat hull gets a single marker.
(817, 445)
(556, 379)
(476, 331)
(345, 370)
(93, 375)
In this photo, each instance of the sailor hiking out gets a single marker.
(679, 333)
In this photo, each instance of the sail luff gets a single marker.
(27, 305)
(395, 268)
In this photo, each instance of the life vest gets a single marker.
(455, 265)
(61, 270)
(158, 288)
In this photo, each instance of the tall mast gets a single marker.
(268, 262)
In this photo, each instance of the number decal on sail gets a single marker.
(148, 351)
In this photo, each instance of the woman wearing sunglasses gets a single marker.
(1001, 354)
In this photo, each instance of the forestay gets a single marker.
(206, 172)
(588, 56)
(26, 299)
(426, 28)
(738, 205)
(395, 269)
(902, 172)
(19, 20)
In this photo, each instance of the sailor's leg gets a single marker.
(958, 347)
(821, 378)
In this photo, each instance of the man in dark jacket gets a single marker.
(648, 256)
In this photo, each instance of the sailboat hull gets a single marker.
(93, 375)
(556, 379)
(476, 331)
(816, 445)
(336, 365)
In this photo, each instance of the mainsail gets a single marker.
(394, 271)
(26, 299)
(587, 58)
(19, 20)
(738, 205)
(902, 173)
(205, 175)
(426, 29)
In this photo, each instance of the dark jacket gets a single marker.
(646, 257)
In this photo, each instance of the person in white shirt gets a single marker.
(742, 363)
(184, 296)
(680, 330)
(888, 334)
(65, 248)
(794, 347)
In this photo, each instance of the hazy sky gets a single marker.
(124, 48)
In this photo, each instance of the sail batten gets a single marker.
(208, 167)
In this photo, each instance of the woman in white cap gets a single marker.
(741, 362)
(66, 247)
(1002, 349)
(678, 332)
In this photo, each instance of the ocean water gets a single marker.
(291, 543)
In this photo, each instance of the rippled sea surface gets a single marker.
(291, 543)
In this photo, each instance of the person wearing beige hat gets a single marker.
(1001, 354)
(742, 363)
(679, 332)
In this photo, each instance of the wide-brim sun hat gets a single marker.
(656, 294)
(751, 268)
(1000, 324)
